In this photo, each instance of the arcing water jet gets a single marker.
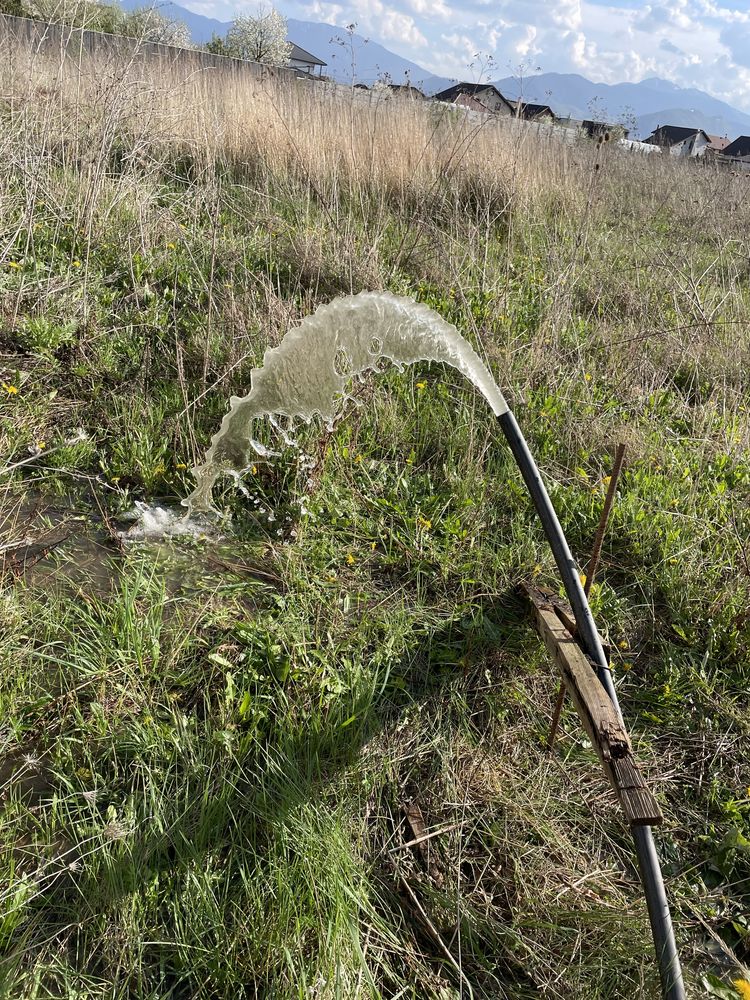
(310, 371)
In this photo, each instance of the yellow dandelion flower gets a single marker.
(350, 559)
(421, 385)
(588, 376)
(373, 546)
(171, 246)
(254, 470)
(14, 264)
(582, 578)
(180, 465)
(623, 644)
(358, 460)
(331, 577)
(11, 390)
(115, 479)
(41, 445)
(424, 522)
(743, 988)
(627, 666)
(76, 263)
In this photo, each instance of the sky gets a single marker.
(693, 43)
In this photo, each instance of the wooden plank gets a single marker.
(596, 712)
(564, 613)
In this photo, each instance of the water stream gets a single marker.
(312, 370)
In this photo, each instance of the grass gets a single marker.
(206, 778)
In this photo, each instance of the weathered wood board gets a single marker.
(595, 710)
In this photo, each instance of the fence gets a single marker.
(21, 38)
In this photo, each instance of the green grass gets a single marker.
(205, 779)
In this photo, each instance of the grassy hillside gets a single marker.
(210, 748)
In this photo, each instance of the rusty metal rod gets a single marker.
(596, 552)
(609, 500)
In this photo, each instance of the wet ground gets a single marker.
(68, 543)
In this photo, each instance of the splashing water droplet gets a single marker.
(308, 373)
(152, 521)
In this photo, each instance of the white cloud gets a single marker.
(330, 13)
(430, 8)
(737, 40)
(676, 14)
(385, 23)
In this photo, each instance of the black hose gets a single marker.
(670, 971)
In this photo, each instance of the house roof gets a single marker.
(740, 147)
(526, 110)
(467, 101)
(472, 90)
(593, 128)
(302, 55)
(670, 135)
(718, 142)
(406, 88)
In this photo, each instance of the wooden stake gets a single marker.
(593, 565)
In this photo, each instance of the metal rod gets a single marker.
(596, 551)
(665, 945)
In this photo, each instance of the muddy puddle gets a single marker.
(67, 546)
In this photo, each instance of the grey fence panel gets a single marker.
(41, 38)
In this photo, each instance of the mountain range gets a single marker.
(642, 106)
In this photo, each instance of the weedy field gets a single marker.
(210, 749)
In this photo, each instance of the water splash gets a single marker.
(308, 373)
(154, 522)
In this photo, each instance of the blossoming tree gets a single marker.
(260, 38)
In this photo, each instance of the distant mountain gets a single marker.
(201, 28)
(642, 106)
(349, 56)
(366, 59)
(649, 103)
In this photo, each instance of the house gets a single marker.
(534, 112)
(717, 144)
(596, 129)
(485, 94)
(567, 121)
(304, 61)
(470, 103)
(739, 148)
(680, 140)
(407, 90)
